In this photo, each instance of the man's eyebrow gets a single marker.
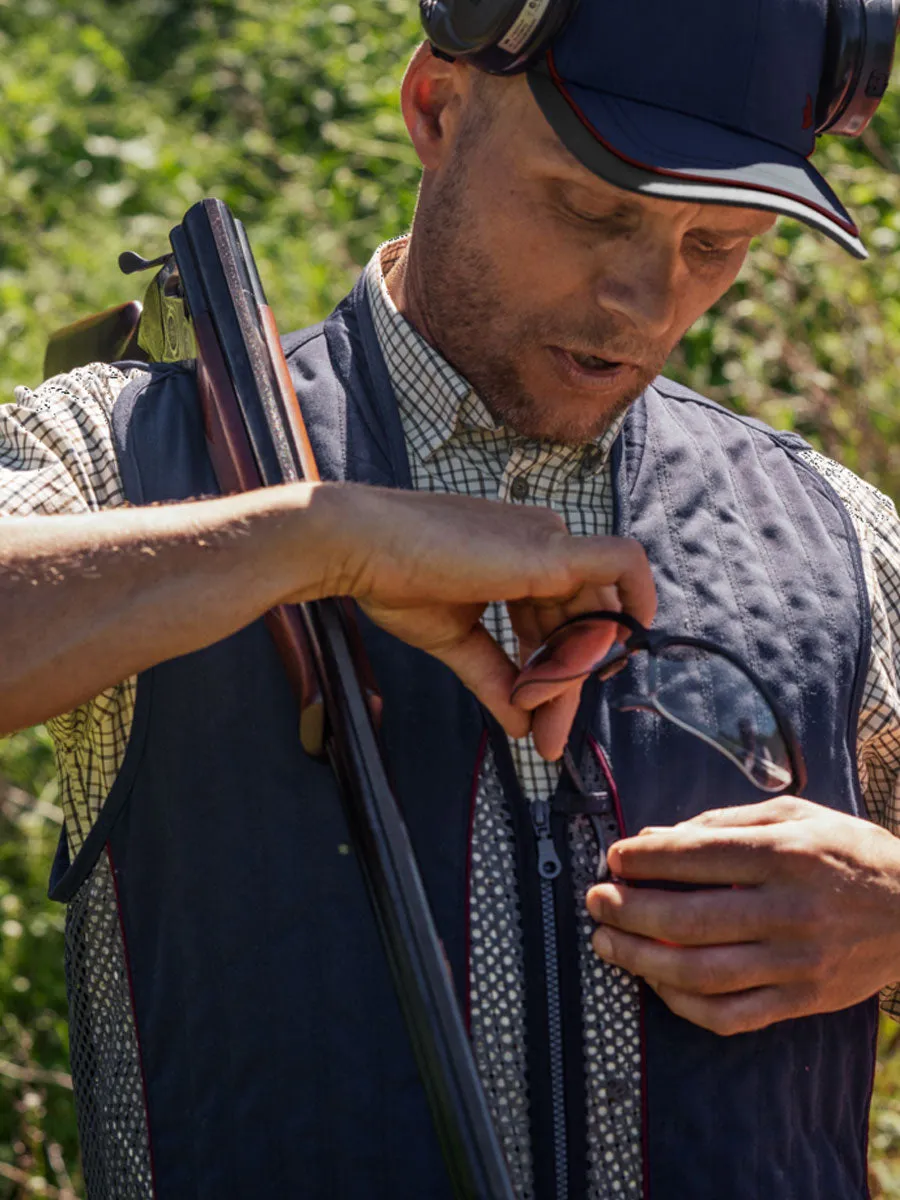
(739, 232)
(626, 207)
(619, 204)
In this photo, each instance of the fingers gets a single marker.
(708, 918)
(599, 557)
(485, 670)
(693, 853)
(768, 812)
(741, 1012)
(552, 723)
(574, 655)
(702, 971)
(592, 563)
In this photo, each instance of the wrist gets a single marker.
(313, 539)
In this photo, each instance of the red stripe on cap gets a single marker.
(849, 227)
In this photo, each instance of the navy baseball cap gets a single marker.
(707, 100)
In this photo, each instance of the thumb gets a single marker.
(486, 671)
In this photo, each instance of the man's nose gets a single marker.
(640, 286)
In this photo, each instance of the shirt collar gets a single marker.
(436, 403)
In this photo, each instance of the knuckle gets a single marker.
(710, 817)
(796, 847)
(785, 808)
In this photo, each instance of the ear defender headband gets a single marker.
(506, 37)
(502, 37)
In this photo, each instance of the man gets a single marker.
(233, 1028)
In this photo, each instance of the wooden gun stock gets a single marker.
(110, 336)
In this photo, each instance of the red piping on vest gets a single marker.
(603, 763)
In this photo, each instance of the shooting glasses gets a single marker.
(702, 688)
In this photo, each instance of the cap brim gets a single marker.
(657, 152)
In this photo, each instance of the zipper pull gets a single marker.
(549, 866)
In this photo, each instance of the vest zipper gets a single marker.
(554, 1031)
(549, 869)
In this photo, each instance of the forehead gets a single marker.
(539, 155)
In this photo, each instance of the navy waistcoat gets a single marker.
(251, 1010)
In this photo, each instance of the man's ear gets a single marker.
(432, 98)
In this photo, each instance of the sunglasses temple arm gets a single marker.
(638, 704)
(596, 821)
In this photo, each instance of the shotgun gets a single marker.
(207, 303)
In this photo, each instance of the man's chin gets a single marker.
(564, 422)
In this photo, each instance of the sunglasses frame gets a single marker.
(654, 643)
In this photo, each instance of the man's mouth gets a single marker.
(593, 362)
(583, 369)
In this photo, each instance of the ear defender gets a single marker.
(502, 37)
(505, 37)
(859, 55)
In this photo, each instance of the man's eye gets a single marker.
(588, 218)
(711, 251)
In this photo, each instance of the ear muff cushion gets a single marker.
(859, 54)
(844, 46)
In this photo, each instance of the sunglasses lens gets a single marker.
(711, 696)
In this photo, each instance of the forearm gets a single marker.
(86, 601)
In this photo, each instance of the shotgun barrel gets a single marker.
(257, 438)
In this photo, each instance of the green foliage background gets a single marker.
(114, 118)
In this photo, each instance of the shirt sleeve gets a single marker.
(56, 447)
(57, 456)
(877, 528)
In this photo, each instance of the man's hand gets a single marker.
(804, 916)
(425, 567)
(88, 600)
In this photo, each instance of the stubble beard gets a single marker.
(466, 318)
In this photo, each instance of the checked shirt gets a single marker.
(57, 456)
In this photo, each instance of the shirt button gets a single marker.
(591, 462)
(617, 1090)
(519, 489)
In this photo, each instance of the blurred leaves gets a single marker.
(808, 338)
(38, 1142)
(114, 118)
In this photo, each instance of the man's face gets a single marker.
(556, 295)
